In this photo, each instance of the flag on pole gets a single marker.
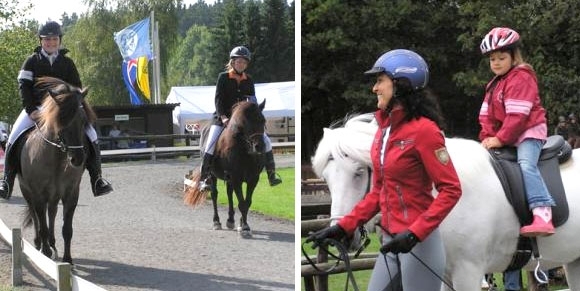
(129, 70)
(143, 78)
(133, 41)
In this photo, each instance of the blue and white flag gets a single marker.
(133, 41)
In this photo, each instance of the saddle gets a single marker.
(504, 160)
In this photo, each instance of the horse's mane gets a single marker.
(62, 106)
(238, 120)
(353, 141)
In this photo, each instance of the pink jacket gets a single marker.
(512, 110)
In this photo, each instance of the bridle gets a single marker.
(59, 143)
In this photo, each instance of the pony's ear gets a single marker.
(262, 105)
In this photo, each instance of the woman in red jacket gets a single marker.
(409, 158)
(512, 115)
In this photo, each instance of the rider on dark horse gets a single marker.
(48, 60)
(233, 85)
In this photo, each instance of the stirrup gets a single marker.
(204, 185)
(274, 179)
(103, 189)
(5, 192)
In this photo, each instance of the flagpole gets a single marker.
(157, 77)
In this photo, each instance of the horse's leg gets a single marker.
(68, 210)
(465, 277)
(52, 210)
(40, 209)
(217, 225)
(243, 228)
(231, 223)
(572, 270)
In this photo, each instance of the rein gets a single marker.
(61, 145)
(342, 256)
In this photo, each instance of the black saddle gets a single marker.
(504, 160)
(555, 151)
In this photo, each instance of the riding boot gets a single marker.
(542, 224)
(99, 185)
(205, 175)
(273, 178)
(7, 183)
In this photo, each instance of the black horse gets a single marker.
(239, 158)
(52, 161)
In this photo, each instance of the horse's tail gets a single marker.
(193, 197)
(28, 217)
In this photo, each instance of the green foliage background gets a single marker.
(342, 39)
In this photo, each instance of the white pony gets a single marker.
(481, 232)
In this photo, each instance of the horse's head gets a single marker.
(346, 171)
(247, 123)
(64, 117)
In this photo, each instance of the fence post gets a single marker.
(64, 277)
(153, 155)
(16, 257)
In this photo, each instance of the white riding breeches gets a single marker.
(214, 133)
(24, 122)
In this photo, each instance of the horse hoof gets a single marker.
(245, 233)
(217, 226)
(230, 225)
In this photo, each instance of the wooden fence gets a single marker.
(60, 272)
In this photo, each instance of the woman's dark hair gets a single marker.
(417, 103)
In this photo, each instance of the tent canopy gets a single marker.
(197, 102)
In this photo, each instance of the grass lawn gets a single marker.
(275, 201)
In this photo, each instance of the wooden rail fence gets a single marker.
(60, 272)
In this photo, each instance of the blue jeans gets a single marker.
(536, 191)
(512, 280)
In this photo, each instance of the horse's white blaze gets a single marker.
(480, 234)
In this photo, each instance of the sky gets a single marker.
(44, 10)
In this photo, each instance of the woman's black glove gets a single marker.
(401, 243)
(335, 232)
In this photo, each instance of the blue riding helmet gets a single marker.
(402, 63)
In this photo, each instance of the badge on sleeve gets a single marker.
(442, 155)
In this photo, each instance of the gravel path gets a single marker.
(142, 237)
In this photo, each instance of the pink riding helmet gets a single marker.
(499, 38)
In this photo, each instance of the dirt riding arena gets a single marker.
(142, 237)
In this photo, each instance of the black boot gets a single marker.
(7, 183)
(273, 178)
(99, 185)
(204, 177)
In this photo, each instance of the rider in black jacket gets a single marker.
(233, 85)
(48, 59)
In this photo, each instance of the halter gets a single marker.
(61, 145)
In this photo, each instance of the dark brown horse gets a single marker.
(239, 158)
(52, 161)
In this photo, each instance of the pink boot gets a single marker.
(542, 225)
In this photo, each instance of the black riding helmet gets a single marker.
(50, 28)
(241, 52)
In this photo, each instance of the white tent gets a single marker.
(197, 102)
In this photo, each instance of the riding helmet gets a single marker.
(402, 63)
(499, 38)
(241, 52)
(50, 28)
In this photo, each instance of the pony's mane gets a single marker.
(59, 104)
(239, 119)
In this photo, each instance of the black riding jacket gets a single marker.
(38, 65)
(230, 89)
